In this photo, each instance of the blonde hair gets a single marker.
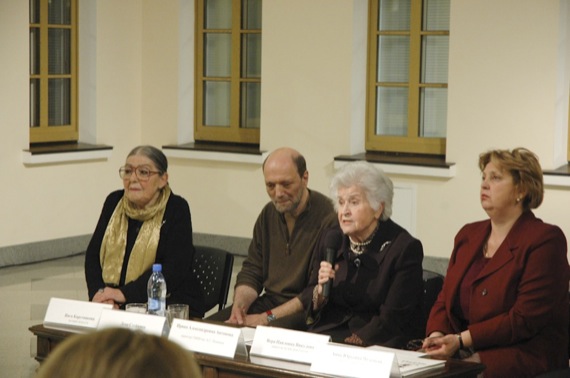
(523, 166)
(119, 353)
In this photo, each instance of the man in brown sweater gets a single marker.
(278, 265)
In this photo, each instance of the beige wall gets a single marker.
(508, 86)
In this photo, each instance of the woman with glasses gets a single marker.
(142, 224)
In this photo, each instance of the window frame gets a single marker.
(234, 133)
(44, 133)
(412, 143)
(568, 141)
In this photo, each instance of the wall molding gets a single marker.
(65, 247)
(43, 250)
(57, 248)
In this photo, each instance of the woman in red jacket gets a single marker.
(504, 301)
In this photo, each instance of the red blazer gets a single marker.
(519, 302)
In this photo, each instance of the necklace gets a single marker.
(359, 248)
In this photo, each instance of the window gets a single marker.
(53, 71)
(228, 71)
(407, 76)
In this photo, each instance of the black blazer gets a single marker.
(378, 297)
(175, 252)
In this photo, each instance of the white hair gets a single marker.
(377, 187)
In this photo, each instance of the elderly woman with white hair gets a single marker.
(366, 284)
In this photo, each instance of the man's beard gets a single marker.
(292, 208)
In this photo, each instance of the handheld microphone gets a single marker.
(333, 241)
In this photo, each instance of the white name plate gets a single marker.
(151, 324)
(355, 362)
(287, 344)
(410, 363)
(207, 338)
(71, 314)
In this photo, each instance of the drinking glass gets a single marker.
(136, 307)
(179, 311)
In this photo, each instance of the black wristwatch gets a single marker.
(270, 316)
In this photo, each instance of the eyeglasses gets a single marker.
(143, 173)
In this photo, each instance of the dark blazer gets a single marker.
(519, 302)
(379, 298)
(175, 252)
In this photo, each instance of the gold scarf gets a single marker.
(114, 242)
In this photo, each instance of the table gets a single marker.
(220, 367)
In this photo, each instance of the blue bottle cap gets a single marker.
(157, 267)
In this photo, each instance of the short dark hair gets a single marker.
(154, 154)
(301, 164)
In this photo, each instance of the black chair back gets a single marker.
(213, 270)
(432, 286)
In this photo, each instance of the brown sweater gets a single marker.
(281, 264)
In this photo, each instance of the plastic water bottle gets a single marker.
(156, 290)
